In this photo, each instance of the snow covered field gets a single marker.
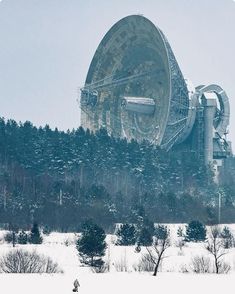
(60, 247)
(118, 283)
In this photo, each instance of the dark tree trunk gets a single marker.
(157, 264)
(216, 266)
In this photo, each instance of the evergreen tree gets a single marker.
(145, 238)
(227, 238)
(35, 236)
(9, 237)
(161, 232)
(22, 238)
(76, 173)
(149, 225)
(145, 231)
(195, 231)
(126, 235)
(91, 245)
(180, 232)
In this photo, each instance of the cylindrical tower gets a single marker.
(209, 105)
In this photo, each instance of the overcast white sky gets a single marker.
(46, 47)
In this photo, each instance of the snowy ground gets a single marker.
(118, 283)
(60, 247)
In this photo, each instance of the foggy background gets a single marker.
(46, 47)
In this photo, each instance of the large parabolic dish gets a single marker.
(134, 86)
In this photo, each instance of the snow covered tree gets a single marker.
(91, 245)
(10, 237)
(180, 242)
(126, 235)
(145, 238)
(22, 237)
(78, 173)
(195, 231)
(161, 232)
(35, 236)
(144, 230)
(227, 238)
(180, 232)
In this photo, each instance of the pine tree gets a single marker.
(22, 238)
(227, 238)
(145, 238)
(126, 235)
(161, 232)
(35, 236)
(91, 245)
(145, 230)
(195, 231)
(180, 232)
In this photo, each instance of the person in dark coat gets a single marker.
(76, 285)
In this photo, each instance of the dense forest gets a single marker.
(60, 179)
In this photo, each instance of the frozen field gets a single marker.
(118, 283)
(60, 247)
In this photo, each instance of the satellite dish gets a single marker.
(134, 87)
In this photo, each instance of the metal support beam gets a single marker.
(209, 105)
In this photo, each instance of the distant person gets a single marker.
(76, 285)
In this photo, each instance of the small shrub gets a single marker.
(103, 268)
(204, 265)
(98, 263)
(121, 265)
(224, 268)
(22, 261)
(69, 241)
(184, 269)
(201, 265)
(180, 243)
(8, 237)
(144, 264)
(11, 237)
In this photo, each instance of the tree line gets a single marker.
(155, 240)
(79, 175)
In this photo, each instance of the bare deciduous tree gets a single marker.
(156, 253)
(216, 249)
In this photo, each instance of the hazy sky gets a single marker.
(46, 47)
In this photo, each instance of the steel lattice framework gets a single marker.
(135, 89)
